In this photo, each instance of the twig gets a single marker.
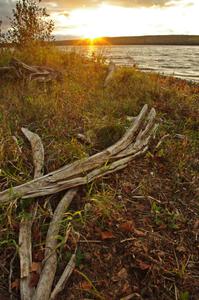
(162, 140)
(10, 275)
(127, 240)
(176, 292)
(37, 151)
(132, 296)
(95, 291)
(64, 277)
(90, 241)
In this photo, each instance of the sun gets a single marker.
(92, 37)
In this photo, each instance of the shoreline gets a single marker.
(128, 56)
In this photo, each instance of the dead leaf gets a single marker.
(122, 274)
(161, 253)
(139, 233)
(38, 255)
(105, 235)
(15, 284)
(127, 187)
(143, 266)
(127, 226)
(36, 267)
(126, 288)
(162, 226)
(85, 285)
(181, 249)
(196, 224)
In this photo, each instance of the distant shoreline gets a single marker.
(162, 40)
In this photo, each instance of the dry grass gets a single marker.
(166, 179)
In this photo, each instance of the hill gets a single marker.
(138, 40)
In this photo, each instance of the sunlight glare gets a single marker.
(108, 20)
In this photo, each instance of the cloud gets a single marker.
(61, 10)
(65, 14)
(140, 3)
(6, 7)
(189, 4)
(69, 5)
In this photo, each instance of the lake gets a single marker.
(178, 61)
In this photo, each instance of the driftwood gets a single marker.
(43, 290)
(25, 229)
(44, 287)
(111, 72)
(19, 70)
(134, 143)
(64, 278)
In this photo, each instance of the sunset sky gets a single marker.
(93, 18)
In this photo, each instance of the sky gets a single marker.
(95, 18)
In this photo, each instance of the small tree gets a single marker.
(29, 24)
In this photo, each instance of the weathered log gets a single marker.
(20, 70)
(134, 143)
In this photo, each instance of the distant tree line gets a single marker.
(137, 40)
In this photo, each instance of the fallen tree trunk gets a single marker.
(18, 69)
(132, 144)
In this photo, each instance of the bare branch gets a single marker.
(37, 151)
(25, 230)
(64, 278)
(44, 286)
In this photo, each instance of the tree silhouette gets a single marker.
(29, 24)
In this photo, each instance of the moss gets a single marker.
(108, 135)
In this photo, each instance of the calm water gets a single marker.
(178, 61)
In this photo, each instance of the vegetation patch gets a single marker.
(138, 228)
